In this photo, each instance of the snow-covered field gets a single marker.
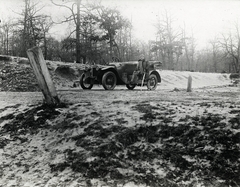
(167, 137)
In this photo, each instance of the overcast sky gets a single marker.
(205, 18)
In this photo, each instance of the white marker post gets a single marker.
(43, 76)
(189, 84)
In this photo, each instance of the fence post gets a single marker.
(189, 84)
(43, 76)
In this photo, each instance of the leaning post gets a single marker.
(43, 76)
(189, 84)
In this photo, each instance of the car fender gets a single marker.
(113, 69)
(106, 68)
(154, 72)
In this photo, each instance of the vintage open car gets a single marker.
(131, 74)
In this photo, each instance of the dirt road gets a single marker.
(120, 93)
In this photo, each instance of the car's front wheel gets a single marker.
(84, 84)
(152, 82)
(109, 80)
(130, 86)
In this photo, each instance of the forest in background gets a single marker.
(100, 34)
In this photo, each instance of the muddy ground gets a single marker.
(121, 138)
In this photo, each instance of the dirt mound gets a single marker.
(234, 75)
(5, 58)
(66, 72)
(64, 76)
(15, 77)
(19, 76)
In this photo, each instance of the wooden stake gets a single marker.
(189, 85)
(43, 76)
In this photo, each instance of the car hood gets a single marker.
(117, 64)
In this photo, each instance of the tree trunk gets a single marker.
(24, 34)
(239, 70)
(111, 45)
(45, 46)
(7, 40)
(78, 51)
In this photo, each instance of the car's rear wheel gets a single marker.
(84, 84)
(152, 82)
(130, 86)
(109, 80)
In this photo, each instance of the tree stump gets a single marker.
(189, 84)
(43, 76)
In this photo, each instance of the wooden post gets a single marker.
(189, 84)
(43, 76)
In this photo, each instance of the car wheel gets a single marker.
(84, 85)
(130, 86)
(109, 80)
(152, 82)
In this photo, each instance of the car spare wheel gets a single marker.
(152, 82)
(130, 86)
(109, 80)
(85, 83)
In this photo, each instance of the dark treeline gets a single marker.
(101, 34)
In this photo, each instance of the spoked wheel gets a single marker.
(109, 80)
(84, 84)
(130, 86)
(152, 82)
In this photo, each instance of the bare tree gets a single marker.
(189, 46)
(74, 10)
(6, 29)
(238, 46)
(32, 26)
(168, 41)
(124, 40)
(111, 22)
(45, 24)
(215, 53)
(230, 45)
